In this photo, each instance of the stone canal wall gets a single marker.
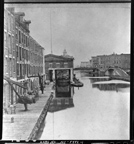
(40, 120)
(119, 78)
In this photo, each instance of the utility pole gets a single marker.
(51, 31)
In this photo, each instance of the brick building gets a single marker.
(103, 62)
(23, 56)
(57, 61)
(9, 55)
(94, 62)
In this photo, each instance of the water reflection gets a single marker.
(59, 104)
(97, 114)
(110, 87)
(96, 79)
(90, 74)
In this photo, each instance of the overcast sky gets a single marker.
(84, 30)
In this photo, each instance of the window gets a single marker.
(9, 41)
(16, 33)
(28, 69)
(57, 65)
(4, 18)
(22, 38)
(14, 65)
(26, 41)
(12, 26)
(10, 66)
(31, 70)
(26, 55)
(42, 69)
(5, 66)
(50, 65)
(9, 22)
(20, 69)
(65, 65)
(24, 69)
(12, 42)
(17, 52)
(19, 37)
(5, 39)
(20, 52)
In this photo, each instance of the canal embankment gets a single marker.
(24, 125)
(119, 78)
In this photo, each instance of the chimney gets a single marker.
(27, 23)
(20, 15)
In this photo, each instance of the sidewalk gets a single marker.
(24, 121)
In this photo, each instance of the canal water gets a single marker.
(101, 111)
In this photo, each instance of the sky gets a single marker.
(84, 30)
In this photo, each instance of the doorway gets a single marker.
(51, 75)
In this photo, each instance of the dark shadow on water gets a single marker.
(92, 80)
(60, 104)
(56, 105)
(110, 87)
(58, 108)
(95, 77)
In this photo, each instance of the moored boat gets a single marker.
(77, 83)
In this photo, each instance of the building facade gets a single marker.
(103, 62)
(85, 64)
(55, 61)
(94, 62)
(9, 55)
(23, 56)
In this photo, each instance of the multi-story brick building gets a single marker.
(103, 62)
(22, 45)
(9, 55)
(55, 61)
(36, 53)
(23, 56)
(95, 62)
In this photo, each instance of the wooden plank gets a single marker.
(16, 91)
(14, 82)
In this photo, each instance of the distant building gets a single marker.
(103, 62)
(57, 61)
(95, 62)
(85, 64)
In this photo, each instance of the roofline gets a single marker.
(59, 68)
(59, 56)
